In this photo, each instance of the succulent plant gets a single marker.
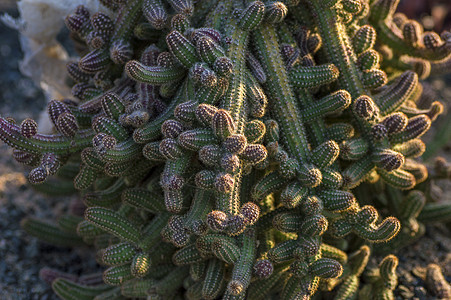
(234, 149)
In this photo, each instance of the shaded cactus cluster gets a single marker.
(239, 149)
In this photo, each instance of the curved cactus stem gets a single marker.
(50, 233)
(284, 105)
(152, 130)
(69, 290)
(41, 143)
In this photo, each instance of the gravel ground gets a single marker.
(22, 256)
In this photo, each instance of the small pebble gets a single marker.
(420, 292)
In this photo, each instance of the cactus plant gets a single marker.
(227, 149)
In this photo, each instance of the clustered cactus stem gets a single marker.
(235, 149)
